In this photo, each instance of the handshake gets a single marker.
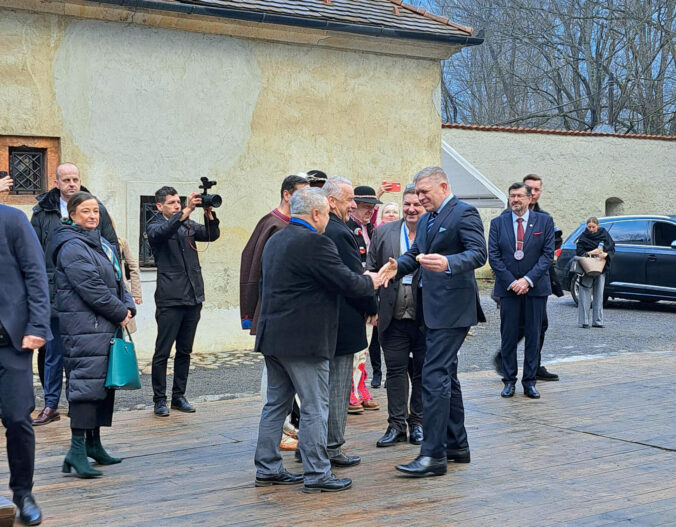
(386, 273)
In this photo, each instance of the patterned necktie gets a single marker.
(430, 221)
(519, 234)
(110, 253)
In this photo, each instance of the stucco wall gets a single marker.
(137, 107)
(579, 172)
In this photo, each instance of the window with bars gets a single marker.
(27, 170)
(148, 213)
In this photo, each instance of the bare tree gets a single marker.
(572, 64)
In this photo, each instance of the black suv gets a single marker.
(644, 265)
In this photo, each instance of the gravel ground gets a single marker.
(629, 327)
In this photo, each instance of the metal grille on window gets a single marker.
(26, 167)
(148, 213)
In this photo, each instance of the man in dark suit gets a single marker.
(521, 249)
(304, 280)
(353, 315)
(24, 327)
(400, 332)
(535, 183)
(449, 245)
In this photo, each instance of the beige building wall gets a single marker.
(137, 107)
(580, 173)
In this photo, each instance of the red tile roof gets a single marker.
(516, 130)
(390, 14)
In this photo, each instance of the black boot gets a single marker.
(96, 451)
(77, 457)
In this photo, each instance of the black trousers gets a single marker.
(17, 401)
(401, 338)
(443, 410)
(374, 352)
(522, 333)
(174, 324)
(514, 310)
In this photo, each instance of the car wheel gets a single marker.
(574, 287)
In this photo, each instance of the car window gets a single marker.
(664, 233)
(633, 232)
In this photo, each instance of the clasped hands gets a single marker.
(520, 286)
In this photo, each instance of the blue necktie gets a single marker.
(430, 221)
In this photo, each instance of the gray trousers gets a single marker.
(309, 378)
(340, 384)
(591, 293)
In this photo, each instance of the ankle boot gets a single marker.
(96, 451)
(77, 458)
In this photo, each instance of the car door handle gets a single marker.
(652, 258)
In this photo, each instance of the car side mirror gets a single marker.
(673, 244)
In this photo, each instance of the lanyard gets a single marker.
(408, 245)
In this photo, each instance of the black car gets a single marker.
(644, 266)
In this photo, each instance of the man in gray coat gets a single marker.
(24, 326)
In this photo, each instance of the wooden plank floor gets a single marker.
(599, 448)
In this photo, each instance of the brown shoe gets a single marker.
(288, 443)
(355, 409)
(370, 405)
(47, 415)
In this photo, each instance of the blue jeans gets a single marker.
(53, 367)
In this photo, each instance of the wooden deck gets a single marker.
(597, 449)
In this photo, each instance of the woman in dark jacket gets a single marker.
(92, 304)
(594, 241)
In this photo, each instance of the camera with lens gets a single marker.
(209, 200)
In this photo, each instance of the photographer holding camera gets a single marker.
(180, 288)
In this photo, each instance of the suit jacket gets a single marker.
(24, 295)
(353, 311)
(385, 244)
(538, 248)
(449, 300)
(303, 282)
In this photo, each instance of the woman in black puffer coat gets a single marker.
(92, 304)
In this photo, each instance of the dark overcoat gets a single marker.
(303, 282)
(353, 311)
(91, 303)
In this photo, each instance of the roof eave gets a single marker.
(287, 20)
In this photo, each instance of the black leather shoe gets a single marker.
(29, 512)
(424, 466)
(283, 478)
(341, 460)
(543, 375)
(497, 363)
(161, 409)
(391, 437)
(458, 455)
(415, 435)
(181, 404)
(330, 485)
(597, 325)
(377, 379)
(530, 391)
(509, 390)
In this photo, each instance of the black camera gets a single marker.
(209, 200)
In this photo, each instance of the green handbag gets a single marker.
(122, 364)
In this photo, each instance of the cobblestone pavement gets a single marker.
(630, 327)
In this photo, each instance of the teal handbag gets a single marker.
(122, 364)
